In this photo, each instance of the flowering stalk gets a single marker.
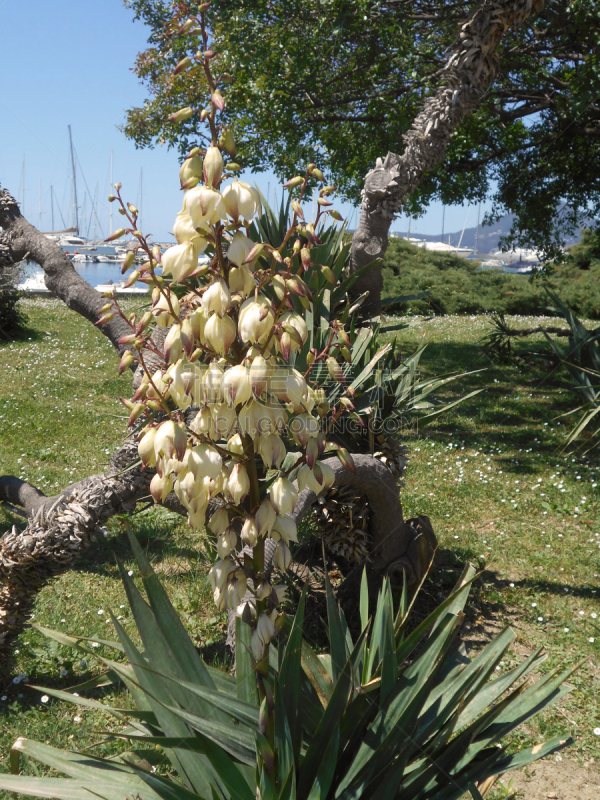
(231, 343)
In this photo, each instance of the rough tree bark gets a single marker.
(472, 64)
(60, 528)
(19, 241)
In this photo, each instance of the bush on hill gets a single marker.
(458, 286)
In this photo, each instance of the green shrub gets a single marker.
(457, 286)
(12, 319)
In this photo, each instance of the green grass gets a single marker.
(489, 474)
(457, 286)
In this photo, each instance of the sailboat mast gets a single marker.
(141, 194)
(40, 206)
(111, 188)
(23, 179)
(74, 182)
(52, 207)
(95, 211)
(443, 221)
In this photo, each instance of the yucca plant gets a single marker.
(396, 713)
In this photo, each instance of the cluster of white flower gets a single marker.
(231, 333)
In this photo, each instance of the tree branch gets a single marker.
(471, 65)
(19, 240)
(59, 530)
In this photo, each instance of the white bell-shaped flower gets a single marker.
(241, 200)
(204, 205)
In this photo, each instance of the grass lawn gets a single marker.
(489, 474)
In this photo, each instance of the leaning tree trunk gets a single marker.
(471, 66)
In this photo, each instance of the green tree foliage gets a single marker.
(339, 82)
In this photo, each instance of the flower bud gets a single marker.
(126, 361)
(128, 262)
(191, 168)
(213, 167)
(181, 115)
(182, 65)
(293, 182)
(238, 484)
(229, 141)
(104, 319)
(336, 215)
(297, 209)
(218, 100)
(318, 174)
(172, 347)
(160, 487)
(131, 279)
(146, 448)
(335, 370)
(236, 386)
(249, 532)
(219, 522)
(115, 235)
(283, 496)
(283, 557)
(145, 320)
(220, 333)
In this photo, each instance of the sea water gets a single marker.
(96, 273)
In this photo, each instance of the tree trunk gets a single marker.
(471, 65)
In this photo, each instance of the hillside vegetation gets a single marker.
(458, 286)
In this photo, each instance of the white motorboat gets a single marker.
(514, 256)
(442, 247)
(71, 241)
(121, 289)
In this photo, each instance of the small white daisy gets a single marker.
(566, 630)
(591, 640)
(596, 731)
(44, 698)
(77, 719)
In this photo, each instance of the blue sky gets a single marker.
(70, 63)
